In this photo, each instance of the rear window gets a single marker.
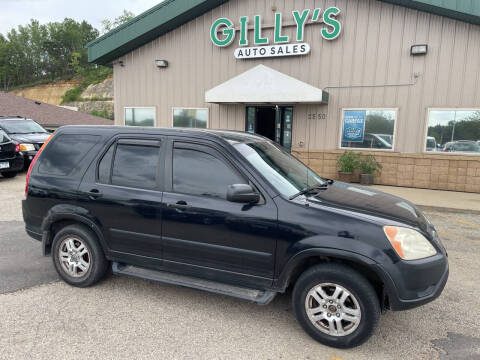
(65, 153)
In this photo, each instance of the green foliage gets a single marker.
(368, 164)
(348, 161)
(104, 114)
(109, 25)
(36, 53)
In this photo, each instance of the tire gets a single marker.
(357, 315)
(9, 175)
(70, 258)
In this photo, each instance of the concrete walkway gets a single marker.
(435, 198)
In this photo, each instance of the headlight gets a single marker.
(27, 147)
(408, 243)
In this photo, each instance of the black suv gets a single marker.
(11, 158)
(230, 213)
(27, 133)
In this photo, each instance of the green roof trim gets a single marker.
(463, 10)
(146, 27)
(171, 14)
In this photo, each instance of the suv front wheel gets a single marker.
(336, 305)
(78, 257)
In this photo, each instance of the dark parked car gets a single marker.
(11, 159)
(230, 213)
(27, 133)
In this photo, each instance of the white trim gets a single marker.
(141, 107)
(192, 108)
(425, 133)
(369, 109)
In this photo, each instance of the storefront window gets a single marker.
(454, 131)
(190, 118)
(140, 116)
(368, 129)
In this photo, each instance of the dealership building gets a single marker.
(396, 78)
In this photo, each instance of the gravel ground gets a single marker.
(136, 319)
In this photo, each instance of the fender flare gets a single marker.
(68, 212)
(284, 279)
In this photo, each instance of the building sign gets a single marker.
(271, 51)
(354, 125)
(223, 33)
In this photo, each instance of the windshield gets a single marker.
(287, 174)
(21, 127)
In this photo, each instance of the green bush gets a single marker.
(104, 114)
(369, 165)
(348, 161)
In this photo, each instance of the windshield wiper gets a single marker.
(309, 189)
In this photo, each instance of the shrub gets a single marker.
(369, 165)
(348, 161)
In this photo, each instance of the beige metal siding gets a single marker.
(373, 49)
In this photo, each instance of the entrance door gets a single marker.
(273, 122)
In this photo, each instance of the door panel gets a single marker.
(124, 193)
(212, 237)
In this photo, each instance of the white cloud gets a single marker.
(19, 12)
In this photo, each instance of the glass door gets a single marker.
(274, 123)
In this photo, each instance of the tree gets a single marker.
(109, 25)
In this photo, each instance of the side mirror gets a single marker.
(242, 193)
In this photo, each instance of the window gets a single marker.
(453, 131)
(200, 173)
(190, 118)
(65, 153)
(135, 166)
(140, 116)
(368, 129)
(105, 166)
(3, 137)
(22, 126)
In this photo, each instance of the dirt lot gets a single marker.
(42, 318)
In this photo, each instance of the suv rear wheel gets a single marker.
(336, 305)
(78, 257)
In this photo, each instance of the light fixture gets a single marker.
(418, 49)
(161, 63)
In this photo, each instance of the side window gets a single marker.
(199, 173)
(105, 166)
(136, 166)
(65, 153)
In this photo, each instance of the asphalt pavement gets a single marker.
(41, 318)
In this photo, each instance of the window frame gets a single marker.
(424, 148)
(190, 108)
(395, 128)
(140, 107)
(135, 141)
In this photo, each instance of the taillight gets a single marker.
(33, 162)
(17, 147)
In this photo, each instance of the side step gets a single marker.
(258, 296)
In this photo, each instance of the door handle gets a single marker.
(179, 205)
(94, 194)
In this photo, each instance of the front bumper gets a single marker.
(408, 284)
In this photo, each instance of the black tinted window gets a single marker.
(105, 166)
(198, 173)
(65, 153)
(136, 166)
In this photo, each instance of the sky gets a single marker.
(19, 12)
